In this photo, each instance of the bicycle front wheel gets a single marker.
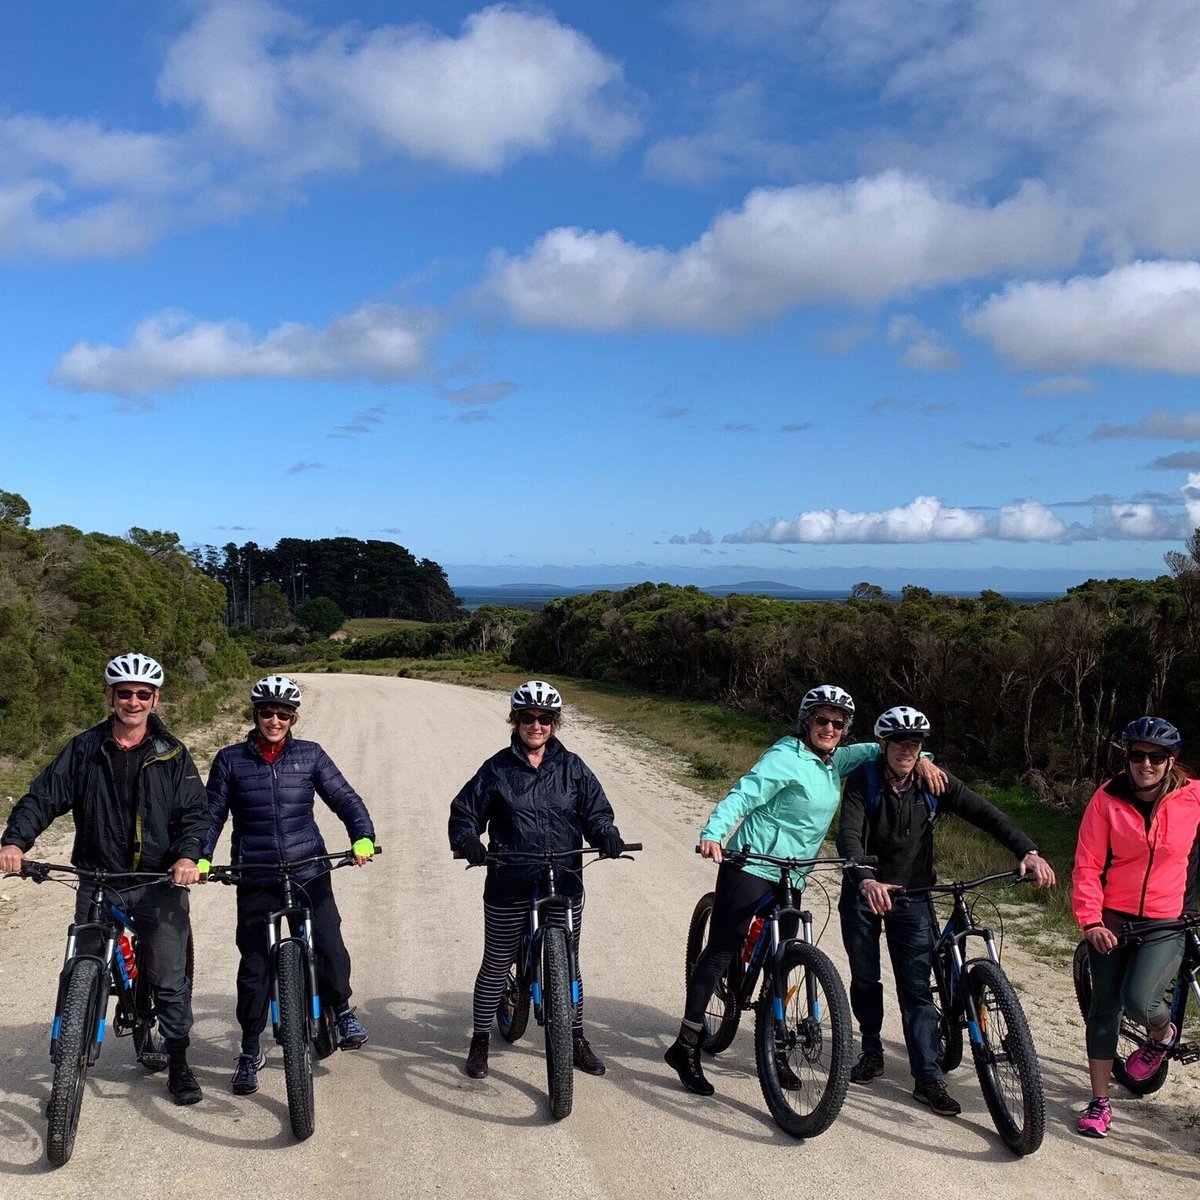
(803, 1042)
(950, 1038)
(556, 1003)
(76, 1029)
(723, 1014)
(293, 1037)
(1129, 1037)
(1006, 1061)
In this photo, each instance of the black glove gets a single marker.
(611, 845)
(474, 851)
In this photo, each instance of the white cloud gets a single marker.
(926, 519)
(1028, 521)
(489, 392)
(1060, 385)
(1097, 99)
(926, 349)
(1191, 500)
(379, 342)
(861, 242)
(1144, 316)
(512, 82)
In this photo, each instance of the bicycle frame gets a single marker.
(1186, 982)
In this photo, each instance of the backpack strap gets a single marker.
(874, 796)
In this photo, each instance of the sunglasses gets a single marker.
(1155, 757)
(263, 715)
(535, 718)
(836, 722)
(129, 693)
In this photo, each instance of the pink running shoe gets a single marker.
(1096, 1118)
(1147, 1058)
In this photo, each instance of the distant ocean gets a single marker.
(536, 596)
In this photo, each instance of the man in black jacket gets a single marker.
(885, 813)
(138, 805)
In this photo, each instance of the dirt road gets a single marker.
(400, 1119)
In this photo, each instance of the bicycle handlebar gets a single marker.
(39, 872)
(737, 857)
(231, 872)
(545, 856)
(1134, 932)
(962, 885)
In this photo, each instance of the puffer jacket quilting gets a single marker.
(272, 803)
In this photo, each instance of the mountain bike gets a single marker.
(803, 1037)
(546, 972)
(1185, 983)
(301, 1022)
(101, 961)
(974, 993)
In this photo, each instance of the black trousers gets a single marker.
(254, 905)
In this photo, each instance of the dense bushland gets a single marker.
(69, 601)
(1035, 690)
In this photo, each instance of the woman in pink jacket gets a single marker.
(1136, 860)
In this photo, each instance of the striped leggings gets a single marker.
(503, 925)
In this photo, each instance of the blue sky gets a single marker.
(763, 286)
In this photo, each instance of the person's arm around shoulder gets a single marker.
(775, 769)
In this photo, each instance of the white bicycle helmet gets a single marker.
(133, 668)
(276, 689)
(902, 722)
(827, 695)
(537, 693)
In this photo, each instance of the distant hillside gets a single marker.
(69, 601)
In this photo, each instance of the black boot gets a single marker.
(477, 1056)
(684, 1056)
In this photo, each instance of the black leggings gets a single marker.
(737, 899)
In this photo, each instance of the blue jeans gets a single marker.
(910, 936)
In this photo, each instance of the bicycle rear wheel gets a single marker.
(513, 1014)
(1129, 1037)
(723, 1014)
(803, 1042)
(950, 1037)
(556, 1003)
(293, 1037)
(1006, 1061)
(76, 1029)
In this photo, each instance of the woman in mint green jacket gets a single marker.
(785, 804)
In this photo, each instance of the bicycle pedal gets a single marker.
(1188, 1052)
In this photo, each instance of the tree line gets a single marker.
(318, 582)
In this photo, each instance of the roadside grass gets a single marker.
(360, 627)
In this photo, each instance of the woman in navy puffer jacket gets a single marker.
(268, 784)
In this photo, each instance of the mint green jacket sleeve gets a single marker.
(772, 772)
(847, 758)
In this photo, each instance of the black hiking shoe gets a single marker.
(868, 1067)
(685, 1060)
(181, 1083)
(935, 1095)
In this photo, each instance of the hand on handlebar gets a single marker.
(710, 849)
(185, 871)
(474, 851)
(1101, 939)
(363, 850)
(1039, 868)
(12, 858)
(878, 895)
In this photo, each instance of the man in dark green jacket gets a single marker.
(886, 813)
(138, 805)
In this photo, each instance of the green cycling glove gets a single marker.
(364, 848)
(203, 866)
